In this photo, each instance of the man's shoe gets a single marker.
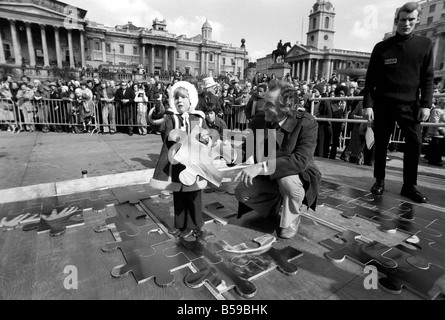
(378, 187)
(291, 231)
(130, 134)
(412, 193)
(186, 233)
(174, 231)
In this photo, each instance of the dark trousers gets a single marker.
(128, 113)
(188, 210)
(385, 116)
(323, 139)
(337, 128)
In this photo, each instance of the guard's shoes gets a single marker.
(378, 187)
(291, 231)
(412, 193)
(186, 233)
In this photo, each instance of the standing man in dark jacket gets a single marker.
(125, 97)
(400, 68)
(286, 181)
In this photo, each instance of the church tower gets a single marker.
(321, 25)
(206, 31)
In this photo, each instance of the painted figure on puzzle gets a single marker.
(182, 115)
(279, 187)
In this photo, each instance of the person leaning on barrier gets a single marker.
(125, 97)
(400, 68)
(436, 135)
(278, 187)
(141, 101)
(25, 96)
(322, 109)
(106, 95)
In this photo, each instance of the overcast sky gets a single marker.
(359, 24)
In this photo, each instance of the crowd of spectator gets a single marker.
(109, 107)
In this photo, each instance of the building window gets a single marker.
(108, 48)
(187, 55)
(7, 50)
(187, 70)
(314, 23)
(312, 38)
(224, 61)
(121, 48)
(326, 37)
(233, 62)
(326, 23)
(157, 53)
(96, 45)
(177, 54)
(211, 58)
(429, 21)
(135, 50)
(442, 16)
(196, 56)
(432, 8)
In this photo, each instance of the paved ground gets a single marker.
(34, 159)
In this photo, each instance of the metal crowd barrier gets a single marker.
(396, 136)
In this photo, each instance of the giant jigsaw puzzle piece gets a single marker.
(221, 277)
(198, 158)
(428, 283)
(425, 249)
(359, 252)
(142, 244)
(157, 265)
(57, 222)
(132, 194)
(128, 219)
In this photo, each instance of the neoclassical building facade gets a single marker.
(50, 33)
(318, 58)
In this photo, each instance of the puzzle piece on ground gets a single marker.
(425, 249)
(194, 250)
(57, 222)
(367, 211)
(335, 199)
(162, 210)
(429, 283)
(251, 266)
(221, 277)
(14, 209)
(218, 212)
(416, 226)
(265, 242)
(132, 194)
(142, 244)
(411, 211)
(359, 252)
(157, 265)
(129, 219)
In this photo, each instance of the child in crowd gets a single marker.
(141, 101)
(182, 115)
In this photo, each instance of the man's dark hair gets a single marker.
(210, 106)
(408, 8)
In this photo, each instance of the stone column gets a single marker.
(58, 48)
(303, 70)
(165, 60)
(309, 65)
(317, 65)
(44, 45)
(104, 51)
(152, 59)
(202, 62)
(218, 64)
(15, 43)
(331, 68)
(82, 49)
(142, 55)
(32, 54)
(2, 52)
(297, 75)
(173, 60)
(70, 47)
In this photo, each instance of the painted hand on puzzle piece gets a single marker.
(198, 157)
